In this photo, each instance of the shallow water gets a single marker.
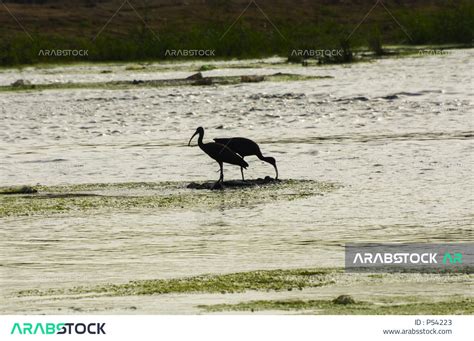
(396, 134)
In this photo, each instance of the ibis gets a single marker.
(246, 147)
(219, 152)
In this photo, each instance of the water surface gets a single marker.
(396, 134)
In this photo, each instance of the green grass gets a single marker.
(262, 280)
(451, 22)
(455, 306)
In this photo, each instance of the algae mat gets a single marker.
(46, 200)
(311, 290)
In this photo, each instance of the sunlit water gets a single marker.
(397, 134)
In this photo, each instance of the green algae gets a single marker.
(261, 280)
(207, 67)
(281, 281)
(120, 85)
(455, 306)
(164, 195)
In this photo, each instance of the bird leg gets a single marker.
(242, 171)
(218, 184)
(221, 179)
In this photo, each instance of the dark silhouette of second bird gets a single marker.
(246, 147)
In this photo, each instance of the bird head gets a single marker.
(272, 161)
(199, 131)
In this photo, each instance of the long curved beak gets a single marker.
(276, 170)
(189, 143)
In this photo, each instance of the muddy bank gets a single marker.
(234, 184)
(194, 79)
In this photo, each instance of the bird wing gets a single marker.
(240, 145)
(221, 152)
(223, 141)
(228, 143)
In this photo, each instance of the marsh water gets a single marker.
(395, 135)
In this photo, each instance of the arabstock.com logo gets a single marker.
(57, 328)
(418, 257)
(404, 258)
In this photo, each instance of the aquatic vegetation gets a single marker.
(118, 85)
(262, 280)
(164, 195)
(284, 305)
(207, 67)
(283, 281)
(458, 306)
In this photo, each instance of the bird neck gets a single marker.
(260, 156)
(200, 137)
(266, 159)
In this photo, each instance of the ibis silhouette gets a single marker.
(218, 152)
(246, 147)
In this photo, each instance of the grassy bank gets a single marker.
(283, 29)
